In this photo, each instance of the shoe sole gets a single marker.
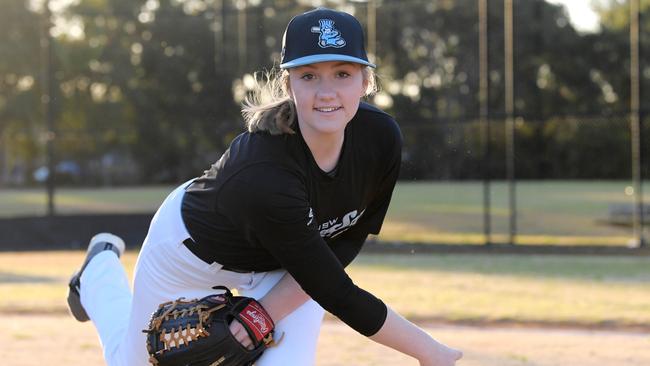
(74, 300)
(115, 240)
(110, 242)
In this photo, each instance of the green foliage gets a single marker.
(20, 127)
(150, 90)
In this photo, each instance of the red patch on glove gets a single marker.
(257, 319)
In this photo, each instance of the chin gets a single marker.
(329, 128)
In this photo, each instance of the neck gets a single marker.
(326, 149)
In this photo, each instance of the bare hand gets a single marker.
(240, 334)
(442, 356)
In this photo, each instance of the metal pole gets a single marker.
(483, 114)
(4, 176)
(219, 41)
(242, 6)
(510, 123)
(635, 124)
(372, 30)
(48, 103)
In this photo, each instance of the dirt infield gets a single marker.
(30, 340)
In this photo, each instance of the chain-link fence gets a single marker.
(149, 91)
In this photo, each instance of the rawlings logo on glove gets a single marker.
(257, 319)
(196, 332)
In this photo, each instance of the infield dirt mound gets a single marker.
(31, 340)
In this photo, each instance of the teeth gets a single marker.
(327, 109)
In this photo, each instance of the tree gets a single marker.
(20, 115)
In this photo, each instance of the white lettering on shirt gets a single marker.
(334, 227)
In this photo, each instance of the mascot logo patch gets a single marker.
(329, 36)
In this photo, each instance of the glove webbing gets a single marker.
(176, 337)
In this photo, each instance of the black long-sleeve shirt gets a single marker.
(267, 205)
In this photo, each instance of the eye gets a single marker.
(307, 76)
(343, 74)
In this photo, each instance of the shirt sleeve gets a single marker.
(347, 248)
(274, 211)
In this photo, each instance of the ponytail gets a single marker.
(269, 108)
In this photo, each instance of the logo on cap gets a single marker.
(329, 36)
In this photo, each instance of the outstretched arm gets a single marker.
(404, 336)
(397, 332)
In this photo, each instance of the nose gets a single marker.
(326, 90)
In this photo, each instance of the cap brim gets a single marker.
(312, 59)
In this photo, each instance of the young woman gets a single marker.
(278, 217)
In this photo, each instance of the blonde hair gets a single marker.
(270, 108)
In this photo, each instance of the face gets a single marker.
(327, 95)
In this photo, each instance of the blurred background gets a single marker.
(518, 224)
(524, 121)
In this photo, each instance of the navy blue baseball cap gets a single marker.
(323, 35)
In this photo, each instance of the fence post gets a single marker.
(484, 120)
(4, 176)
(372, 30)
(242, 36)
(635, 124)
(47, 98)
(218, 29)
(510, 121)
(643, 242)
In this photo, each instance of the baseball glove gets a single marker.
(196, 332)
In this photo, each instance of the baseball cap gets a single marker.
(323, 35)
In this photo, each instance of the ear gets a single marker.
(364, 86)
(288, 87)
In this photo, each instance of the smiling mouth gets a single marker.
(327, 109)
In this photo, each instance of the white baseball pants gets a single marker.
(166, 270)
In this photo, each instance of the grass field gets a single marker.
(549, 212)
(585, 291)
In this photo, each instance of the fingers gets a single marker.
(458, 355)
(454, 353)
(240, 334)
